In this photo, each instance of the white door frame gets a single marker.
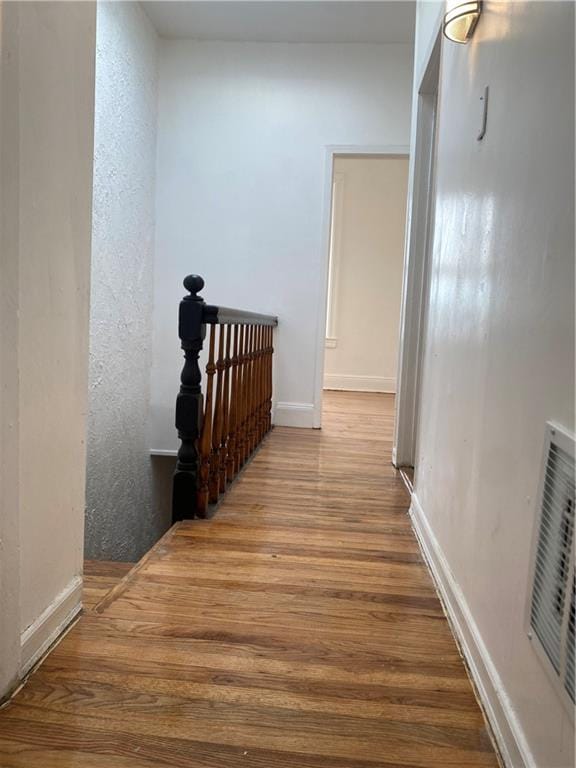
(419, 231)
(333, 151)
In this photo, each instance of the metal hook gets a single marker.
(484, 98)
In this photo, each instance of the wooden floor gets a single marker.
(100, 576)
(299, 628)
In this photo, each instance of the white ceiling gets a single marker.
(285, 21)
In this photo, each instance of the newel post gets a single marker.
(189, 403)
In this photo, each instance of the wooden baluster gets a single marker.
(256, 403)
(258, 360)
(189, 403)
(214, 481)
(264, 382)
(233, 412)
(248, 365)
(253, 392)
(225, 436)
(205, 442)
(260, 400)
(239, 401)
(245, 395)
(248, 394)
(253, 364)
(270, 356)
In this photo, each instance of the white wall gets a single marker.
(368, 254)
(9, 403)
(48, 94)
(243, 130)
(123, 518)
(500, 347)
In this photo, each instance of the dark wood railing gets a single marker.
(220, 429)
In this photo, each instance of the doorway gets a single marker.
(365, 255)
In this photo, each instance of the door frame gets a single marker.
(333, 151)
(419, 244)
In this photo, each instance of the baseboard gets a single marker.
(359, 383)
(294, 415)
(39, 636)
(507, 731)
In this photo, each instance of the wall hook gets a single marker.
(484, 100)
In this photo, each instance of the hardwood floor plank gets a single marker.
(100, 576)
(72, 746)
(290, 731)
(298, 628)
(280, 584)
(262, 649)
(368, 701)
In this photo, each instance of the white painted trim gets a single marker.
(334, 258)
(497, 706)
(39, 636)
(436, 31)
(331, 342)
(163, 452)
(294, 415)
(417, 250)
(367, 150)
(332, 151)
(359, 383)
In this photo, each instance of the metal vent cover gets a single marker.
(571, 641)
(551, 612)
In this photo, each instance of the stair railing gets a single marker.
(221, 429)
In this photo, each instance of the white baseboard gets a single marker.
(359, 383)
(294, 415)
(39, 636)
(507, 731)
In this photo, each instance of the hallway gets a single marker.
(299, 628)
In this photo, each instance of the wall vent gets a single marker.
(551, 616)
(571, 640)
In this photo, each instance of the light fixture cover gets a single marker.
(461, 19)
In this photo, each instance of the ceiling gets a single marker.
(285, 21)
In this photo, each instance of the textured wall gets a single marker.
(124, 513)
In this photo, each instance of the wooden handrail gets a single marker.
(218, 433)
(226, 316)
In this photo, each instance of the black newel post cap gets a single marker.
(193, 284)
